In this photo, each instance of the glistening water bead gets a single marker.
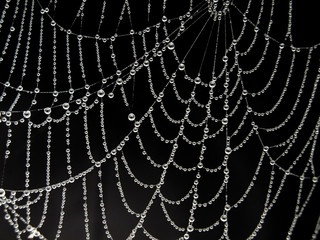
(227, 207)
(110, 94)
(2, 193)
(197, 80)
(119, 81)
(224, 218)
(228, 150)
(65, 106)
(225, 121)
(171, 46)
(131, 117)
(181, 67)
(225, 59)
(190, 228)
(47, 110)
(212, 84)
(27, 114)
(101, 93)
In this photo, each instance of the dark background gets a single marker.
(243, 163)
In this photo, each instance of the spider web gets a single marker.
(157, 120)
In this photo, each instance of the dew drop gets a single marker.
(227, 207)
(119, 81)
(111, 95)
(171, 46)
(190, 228)
(27, 114)
(197, 80)
(2, 193)
(181, 67)
(223, 218)
(225, 121)
(65, 106)
(101, 93)
(131, 117)
(47, 110)
(228, 150)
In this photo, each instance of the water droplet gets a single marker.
(225, 59)
(197, 80)
(27, 114)
(181, 67)
(101, 93)
(212, 84)
(186, 236)
(225, 121)
(223, 218)
(131, 117)
(314, 179)
(190, 228)
(12, 29)
(132, 72)
(65, 106)
(119, 81)
(47, 110)
(53, 23)
(111, 95)
(228, 150)
(164, 19)
(227, 207)
(2, 193)
(171, 46)
(146, 63)
(266, 148)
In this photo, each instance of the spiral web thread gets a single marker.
(195, 94)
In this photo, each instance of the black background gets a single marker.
(242, 164)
